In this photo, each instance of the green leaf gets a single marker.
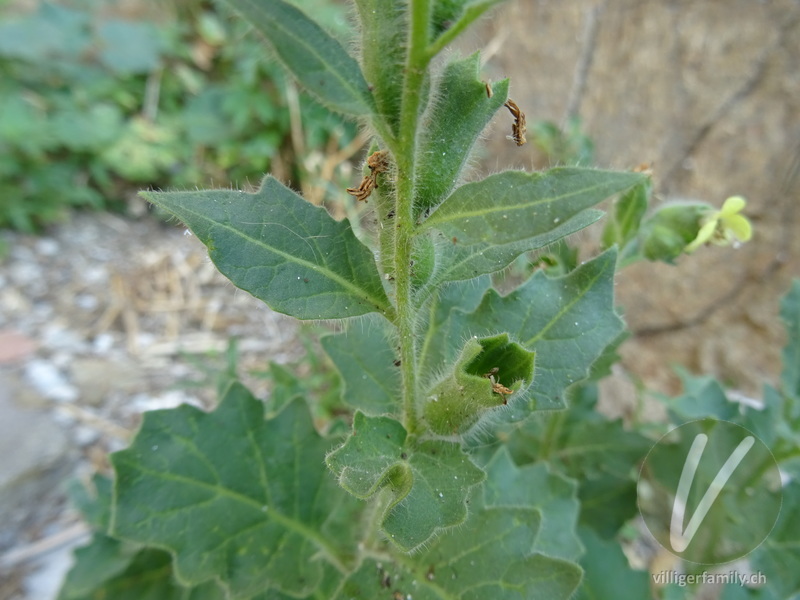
(52, 31)
(87, 129)
(584, 445)
(429, 481)
(457, 261)
(98, 564)
(772, 422)
(283, 250)
(735, 591)
(608, 501)
(286, 387)
(107, 568)
(513, 206)
(602, 366)
(443, 325)
(447, 141)
(535, 486)
(311, 54)
(364, 357)
(703, 397)
(464, 396)
(445, 13)
(384, 33)
(790, 313)
(567, 321)
(451, 17)
(94, 501)
(562, 144)
(484, 226)
(127, 47)
(487, 557)
(607, 573)
(665, 233)
(627, 215)
(234, 497)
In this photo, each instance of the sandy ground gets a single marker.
(101, 319)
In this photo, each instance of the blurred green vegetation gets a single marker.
(96, 103)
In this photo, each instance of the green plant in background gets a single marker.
(775, 420)
(568, 145)
(93, 106)
(451, 466)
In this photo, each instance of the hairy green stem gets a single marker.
(416, 65)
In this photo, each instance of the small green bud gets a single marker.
(682, 227)
(665, 234)
(487, 372)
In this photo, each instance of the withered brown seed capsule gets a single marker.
(378, 162)
(518, 128)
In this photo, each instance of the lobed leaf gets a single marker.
(285, 388)
(487, 557)
(365, 359)
(311, 54)
(778, 558)
(790, 376)
(607, 573)
(283, 250)
(703, 397)
(234, 497)
(513, 206)
(454, 124)
(429, 481)
(601, 454)
(567, 321)
(535, 486)
(442, 323)
(93, 500)
(456, 261)
(107, 568)
(772, 422)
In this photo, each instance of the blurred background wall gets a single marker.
(709, 93)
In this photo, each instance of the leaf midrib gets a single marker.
(574, 299)
(323, 269)
(287, 522)
(494, 208)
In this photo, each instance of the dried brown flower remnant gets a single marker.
(363, 191)
(378, 162)
(498, 388)
(518, 128)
